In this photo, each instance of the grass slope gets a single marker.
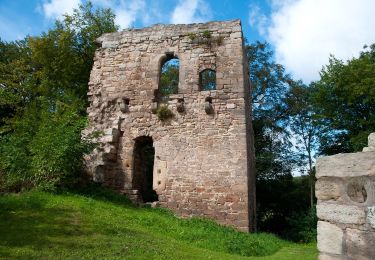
(73, 226)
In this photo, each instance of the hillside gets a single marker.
(106, 225)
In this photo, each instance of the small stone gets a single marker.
(231, 106)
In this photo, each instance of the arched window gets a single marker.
(169, 78)
(207, 79)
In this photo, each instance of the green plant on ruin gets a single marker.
(205, 37)
(164, 113)
(206, 34)
(192, 36)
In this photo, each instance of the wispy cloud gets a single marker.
(257, 19)
(305, 32)
(191, 11)
(128, 12)
(55, 9)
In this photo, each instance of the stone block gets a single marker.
(327, 190)
(346, 214)
(330, 238)
(346, 165)
(360, 245)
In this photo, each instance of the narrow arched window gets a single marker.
(207, 79)
(169, 78)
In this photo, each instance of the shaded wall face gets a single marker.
(201, 164)
(345, 190)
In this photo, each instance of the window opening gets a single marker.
(207, 79)
(169, 78)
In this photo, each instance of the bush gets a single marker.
(164, 113)
(45, 149)
(303, 226)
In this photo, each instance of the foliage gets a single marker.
(169, 78)
(344, 101)
(163, 112)
(303, 226)
(279, 200)
(279, 114)
(42, 225)
(269, 85)
(305, 128)
(43, 86)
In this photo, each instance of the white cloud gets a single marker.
(258, 19)
(305, 32)
(130, 11)
(55, 9)
(191, 11)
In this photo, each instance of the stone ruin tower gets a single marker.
(199, 162)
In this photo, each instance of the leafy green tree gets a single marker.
(305, 129)
(270, 84)
(43, 86)
(344, 101)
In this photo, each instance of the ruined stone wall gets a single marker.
(203, 162)
(345, 190)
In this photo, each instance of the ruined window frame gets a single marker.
(159, 97)
(205, 86)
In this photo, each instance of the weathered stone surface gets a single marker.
(371, 216)
(369, 149)
(346, 165)
(347, 214)
(327, 190)
(360, 244)
(371, 140)
(199, 157)
(330, 238)
(353, 211)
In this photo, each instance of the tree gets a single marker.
(43, 86)
(344, 101)
(269, 84)
(304, 127)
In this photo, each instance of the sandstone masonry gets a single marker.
(204, 157)
(345, 190)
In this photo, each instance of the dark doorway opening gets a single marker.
(144, 153)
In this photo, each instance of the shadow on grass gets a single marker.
(31, 227)
(27, 221)
(100, 193)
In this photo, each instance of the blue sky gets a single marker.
(302, 32)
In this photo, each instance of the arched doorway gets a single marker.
(144, 153)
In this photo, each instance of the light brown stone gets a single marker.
(360, 244)
(330, 238)
(346, 165)
(347, 214)
(327, 190)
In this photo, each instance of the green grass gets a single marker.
(106, 225)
